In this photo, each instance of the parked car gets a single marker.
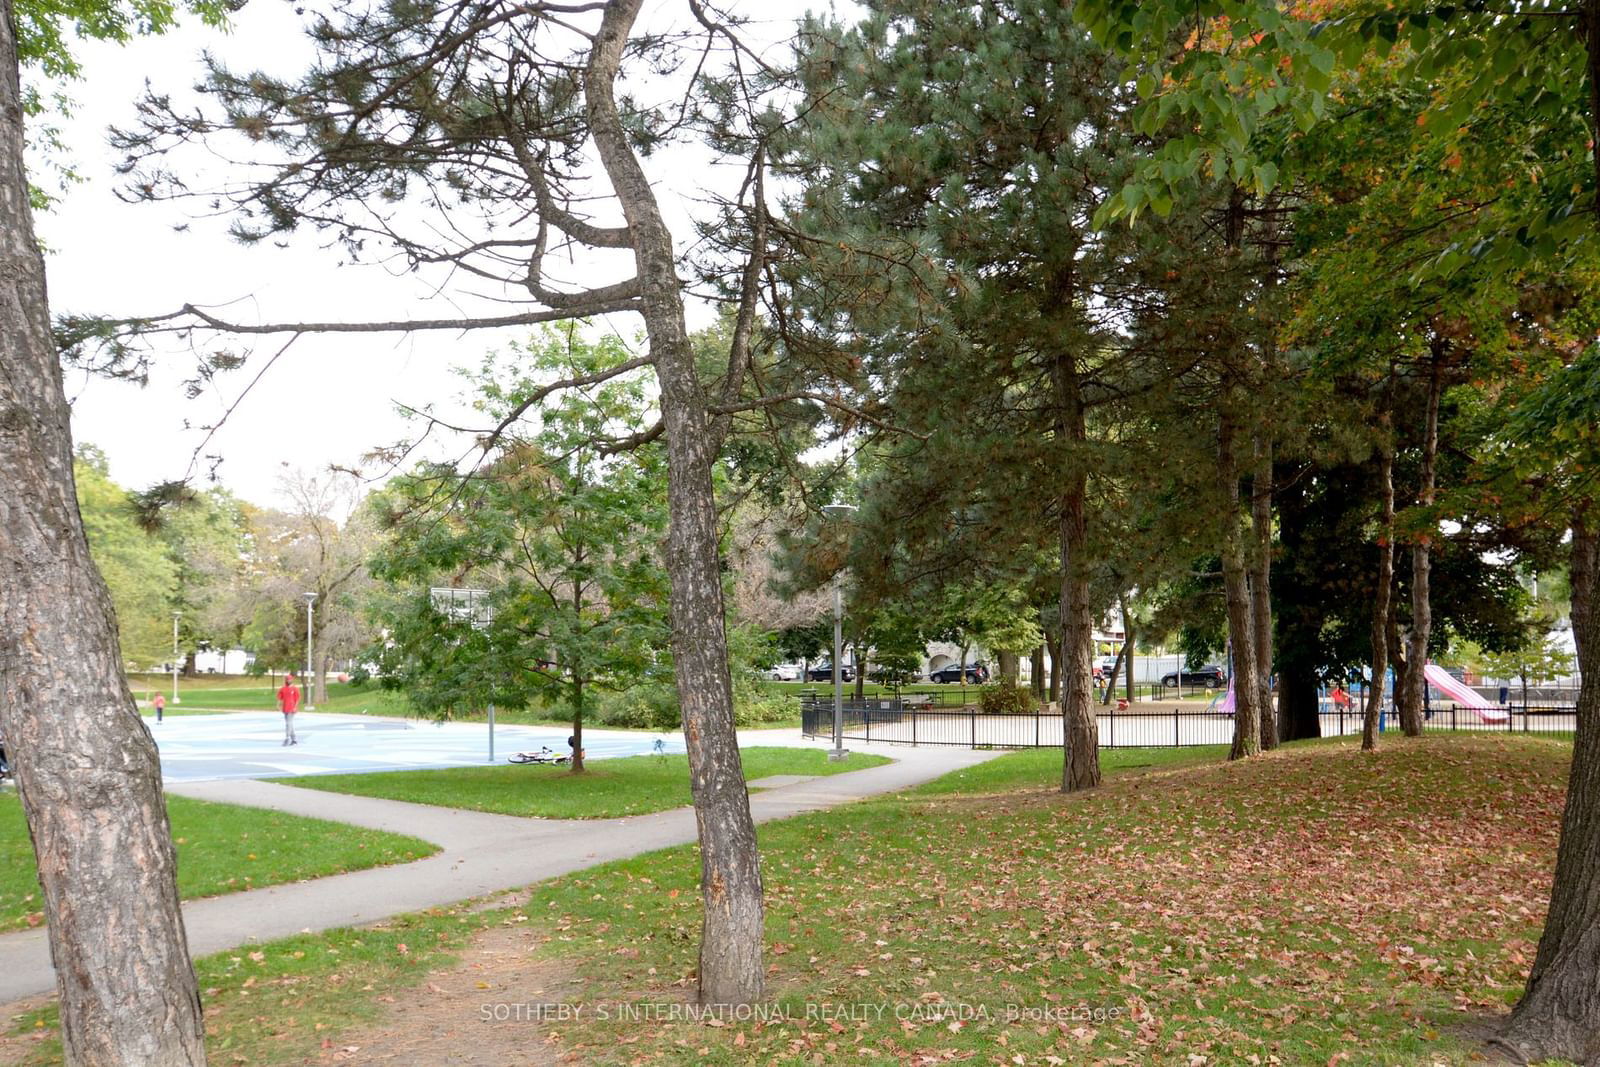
(1105, 666)
(783, 672)
(977, 673)
(823, 672)
(1210, 676)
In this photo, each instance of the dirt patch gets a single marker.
(15, 1048)
(478, 1011)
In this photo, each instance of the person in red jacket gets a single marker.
(289, 703)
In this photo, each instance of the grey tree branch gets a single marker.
(204, 318)
(819, 398)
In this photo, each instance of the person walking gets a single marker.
(160, 704)
(289, 703)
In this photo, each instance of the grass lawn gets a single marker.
(222, 848)
(1040, 768)
(275, 1003)
(1318, 905)
(607, 788)
(254, 694)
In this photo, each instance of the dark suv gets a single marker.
(977, 673)
(823, 672)
(1210, 676)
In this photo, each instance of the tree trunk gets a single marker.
(1054, 638)
(1036, 677)
(1297, 704)
(1127, 664)
(1297, 628)
(1382, 585)
(1236, 589)
(324, 665)
(1080, 765)
(1127, 643)
(86, 767)
(1111, 677)
(730, 871)
(858, 660)
(1412, 698)
(189, 670)
(1010, 666)
(1558, 1017)
(1261, 591)
(577, 726)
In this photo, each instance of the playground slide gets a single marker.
(1461, 695)
(1226, 705)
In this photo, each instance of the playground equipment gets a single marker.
(1463, 696)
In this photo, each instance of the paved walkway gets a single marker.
(481, 853)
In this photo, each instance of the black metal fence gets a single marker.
(896, 722)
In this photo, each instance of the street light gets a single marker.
(175, 615)
(310, 597)
(838, 510)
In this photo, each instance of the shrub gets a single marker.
(1005, 698)
(652, 706)
(754, 705)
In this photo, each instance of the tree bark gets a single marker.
(730, 871)
(1398, 664)
(1054, 637)
(86, 767)
(1236, 589)
(1111, 677)
(1412, 697)
(1558, 1017)
(324, 665)
(1261, 590)
(1297, 631)
(1382, 585)
(1297, 704)
(1127, 643)
(1036, 677)
(1080, 765)
(1010, 666)
(577, 726)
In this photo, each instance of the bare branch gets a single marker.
(529, 318)
(819, 398)
(633, 440)
(750, 291)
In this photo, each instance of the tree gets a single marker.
(1555, 432)
(86, 766)
(136, 569)
(1539, 659)
(953, 158)
(565, 537)
(321, 544)
(205, 536)
(501, 126)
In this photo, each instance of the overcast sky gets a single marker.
(327, 400)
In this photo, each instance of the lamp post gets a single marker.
(175, 615)
(310, 599)
(838, 510)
